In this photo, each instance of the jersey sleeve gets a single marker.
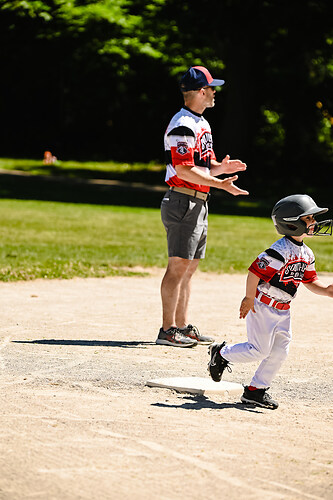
(267, 264)
(310, 273)
(182, 144)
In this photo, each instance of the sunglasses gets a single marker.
(207, 87)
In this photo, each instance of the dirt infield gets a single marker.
(78, 422)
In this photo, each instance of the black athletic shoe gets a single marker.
(217, 364)
(173, 337)
(259, 397)
(193, 333)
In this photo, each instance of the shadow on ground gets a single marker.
(116, 192)
(199, 402)
(87, 343)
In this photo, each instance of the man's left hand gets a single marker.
(231, 166)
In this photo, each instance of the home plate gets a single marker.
(197, 385)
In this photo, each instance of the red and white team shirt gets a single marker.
(282, 267)
(188, 141)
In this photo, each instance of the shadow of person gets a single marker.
(88, 343)
(199, 402)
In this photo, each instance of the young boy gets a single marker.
(272, 283)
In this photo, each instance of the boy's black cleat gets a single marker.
(259, 397)
(217, 364)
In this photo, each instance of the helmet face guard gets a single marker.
(287, 217)
(322, 228)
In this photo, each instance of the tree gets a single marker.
(99, 79)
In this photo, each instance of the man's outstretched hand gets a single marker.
(231, 166)
(229, 186)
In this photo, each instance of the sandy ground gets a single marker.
(78, 422)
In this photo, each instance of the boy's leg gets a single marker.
(260, 333)
(269, 367)
(257, 392)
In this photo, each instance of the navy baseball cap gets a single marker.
(197, 77)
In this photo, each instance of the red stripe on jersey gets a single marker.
(309, 276)
(182, 158)
(264, 272)
(205, 72)
(175, 181)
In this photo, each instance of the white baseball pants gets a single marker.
(269, 335)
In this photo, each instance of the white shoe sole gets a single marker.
(262, 405)
(173, 344)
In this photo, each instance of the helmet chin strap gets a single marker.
(322, 228)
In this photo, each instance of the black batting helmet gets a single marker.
(287, 214)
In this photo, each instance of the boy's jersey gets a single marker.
(282, 267)
(187, 141)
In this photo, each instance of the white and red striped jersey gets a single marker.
(282, 267)
(187, 141)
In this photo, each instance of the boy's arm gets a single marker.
(247, 303)
(319, 288)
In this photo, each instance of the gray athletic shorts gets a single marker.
(185, 219)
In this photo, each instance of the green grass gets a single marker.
(234, 242)
(64, 240)
(81, 169)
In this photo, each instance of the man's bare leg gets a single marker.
(171, 289)
(184, 294)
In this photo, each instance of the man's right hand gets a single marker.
(228, 185)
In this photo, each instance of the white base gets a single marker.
(197, 385)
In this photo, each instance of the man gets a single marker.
(191, 170)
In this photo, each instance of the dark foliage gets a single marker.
(99, 80)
